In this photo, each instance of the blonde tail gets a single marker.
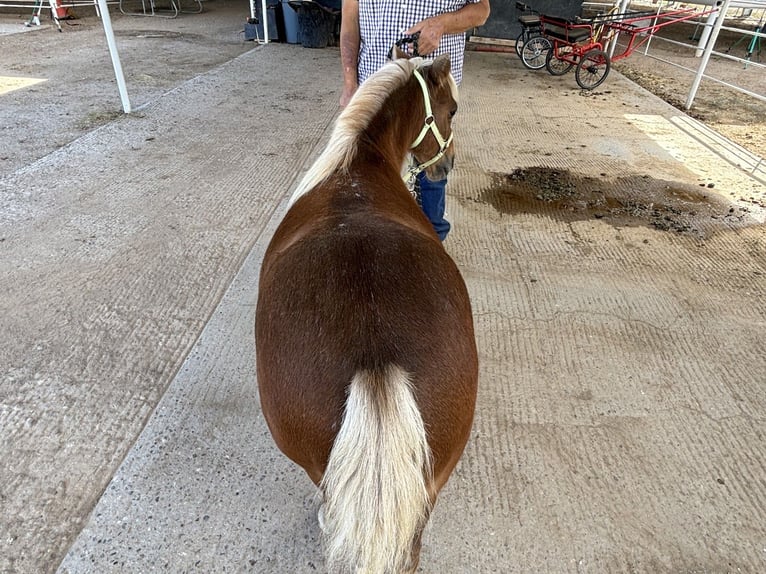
(376, 498)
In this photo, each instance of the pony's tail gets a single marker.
(375, 487)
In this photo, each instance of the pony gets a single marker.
(366, 358)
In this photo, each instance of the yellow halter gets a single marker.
(429, 124)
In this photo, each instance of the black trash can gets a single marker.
(316, 22)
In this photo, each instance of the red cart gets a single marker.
(582, 44)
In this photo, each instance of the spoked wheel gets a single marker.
(522, 38)
(593, 69)
(554, 63)
(534, 51)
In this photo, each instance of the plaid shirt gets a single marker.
(383, 22)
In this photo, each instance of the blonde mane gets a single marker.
(354, 119)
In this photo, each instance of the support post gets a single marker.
(264, 17)
(109, 31)
(613, 41)
(721, 16)
(705, 36)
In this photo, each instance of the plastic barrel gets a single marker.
(290, 18)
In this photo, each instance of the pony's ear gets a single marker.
(441, 66)
(399, 54)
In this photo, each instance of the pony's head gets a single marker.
(430, 91)
(432, 148)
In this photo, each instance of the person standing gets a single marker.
(368, 31)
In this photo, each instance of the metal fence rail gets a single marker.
(707, 45)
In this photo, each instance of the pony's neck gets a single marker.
(381, 119)
(393, 129)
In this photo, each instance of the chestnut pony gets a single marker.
(366, 358)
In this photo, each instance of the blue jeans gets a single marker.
(432, 201)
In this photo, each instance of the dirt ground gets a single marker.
(626, 201)
(733, 114)
(80, 92)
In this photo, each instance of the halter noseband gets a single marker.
(429, 124)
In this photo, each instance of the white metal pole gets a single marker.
(264, 18)
(706, 56)
(265, 15)
(705, 36)
(613, 42)
(107, 21)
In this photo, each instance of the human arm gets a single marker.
(350, 39)
(432, 29)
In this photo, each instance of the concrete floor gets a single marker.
(620, 418)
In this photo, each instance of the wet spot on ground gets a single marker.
(624, 201)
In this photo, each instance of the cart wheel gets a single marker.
(522, 38)
(554, 63)
(534, 51)
(593, 69)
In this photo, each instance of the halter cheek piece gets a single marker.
(429, 125)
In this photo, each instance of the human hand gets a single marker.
(431, 32)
